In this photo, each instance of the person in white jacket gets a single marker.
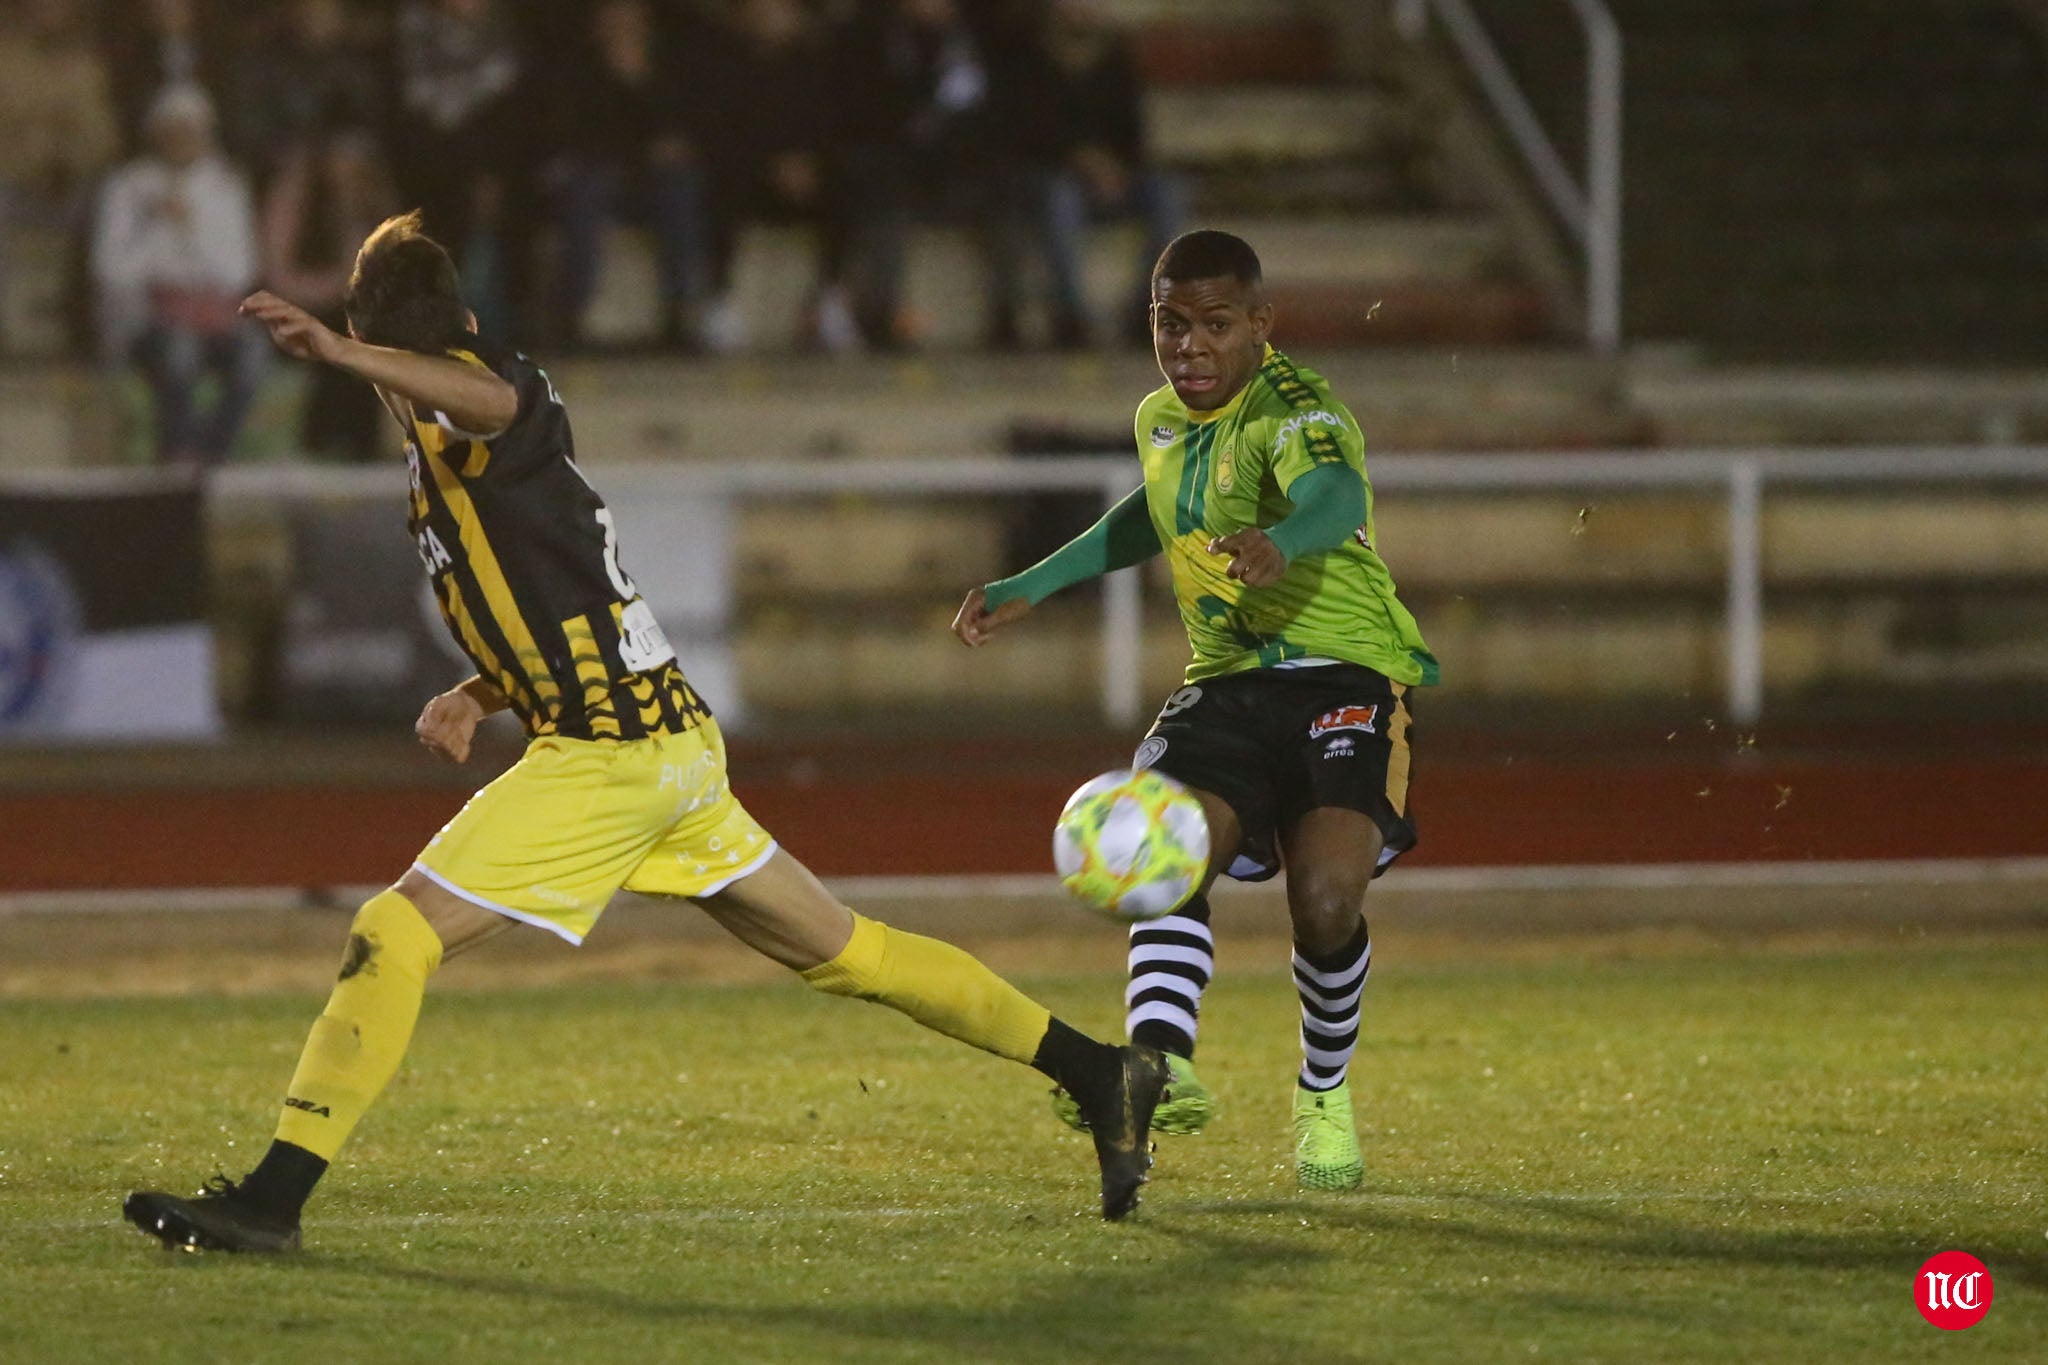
(173, 254)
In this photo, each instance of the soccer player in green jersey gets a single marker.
(1293, 725)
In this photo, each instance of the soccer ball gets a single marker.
(1132, 844)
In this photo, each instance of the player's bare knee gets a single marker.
(1326, 910)
(458, 924)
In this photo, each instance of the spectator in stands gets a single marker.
(462, 147)
(917, 77)
(328, 193)
(60, 128)
(313, 73)
(1083, 148)
(156, 44)
(629, 142)
(769, 148)
(174, 253)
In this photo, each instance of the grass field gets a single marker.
(1687, 1155)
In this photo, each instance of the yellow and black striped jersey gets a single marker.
(524, 560)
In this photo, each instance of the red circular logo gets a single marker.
(1953, 1290)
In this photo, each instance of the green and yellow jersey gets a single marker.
(1208, 474)
(524, 561)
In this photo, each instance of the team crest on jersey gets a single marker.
(1364, 718)
(1162, 437)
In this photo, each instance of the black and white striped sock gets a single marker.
(1172, 959)
(1330, 988)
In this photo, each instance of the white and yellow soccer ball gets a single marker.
(1132, 844)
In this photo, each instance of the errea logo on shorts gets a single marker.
(1953, 1290)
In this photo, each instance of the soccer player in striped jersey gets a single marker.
(1293, 725)
(622, 783)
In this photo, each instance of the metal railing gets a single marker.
(1591, 215)
(1743, 476)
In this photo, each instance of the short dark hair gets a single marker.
(1207, 254)
(404, 292)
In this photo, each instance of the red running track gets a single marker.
(949, 818)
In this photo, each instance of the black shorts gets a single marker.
(1275, 743)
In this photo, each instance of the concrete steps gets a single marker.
(1305, 260)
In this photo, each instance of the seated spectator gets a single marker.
(1083, 148)
(462, 145)
(157, 44)
(769, 148)
(628, 144)
(916, 141)
(174, 253)
(60, 129)
(313, 72)
(326, 196)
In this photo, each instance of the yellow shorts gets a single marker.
(561, 830)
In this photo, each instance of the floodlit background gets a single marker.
(1701, 349)
(1698, 348)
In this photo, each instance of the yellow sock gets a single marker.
(938, 985)
(357, 1042)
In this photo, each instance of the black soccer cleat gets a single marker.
(219, 1218)
(1119, 1118)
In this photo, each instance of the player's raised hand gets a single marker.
(974, 622)
(297, 333)
(448, 723)
(1255, 560)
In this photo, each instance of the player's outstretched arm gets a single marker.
(1125, 536)
(447, 724)
(474, 399)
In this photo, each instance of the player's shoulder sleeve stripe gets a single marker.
(1293, 386)
(1297, 402)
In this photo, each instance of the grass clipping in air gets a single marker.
(1715, 1155)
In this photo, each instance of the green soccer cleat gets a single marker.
(1326, 1155)
(1185, 1108)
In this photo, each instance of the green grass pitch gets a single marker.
(1697, 1155)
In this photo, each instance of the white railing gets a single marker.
(1591, 215)
(1742, 476)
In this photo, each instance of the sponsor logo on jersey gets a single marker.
(1162, 437)
(1150, 752)
(1226, 469)
(1364, 718)
(1340, 747)
(1302, 419)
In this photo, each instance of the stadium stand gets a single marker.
(1864, 173)
(1879, 172)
